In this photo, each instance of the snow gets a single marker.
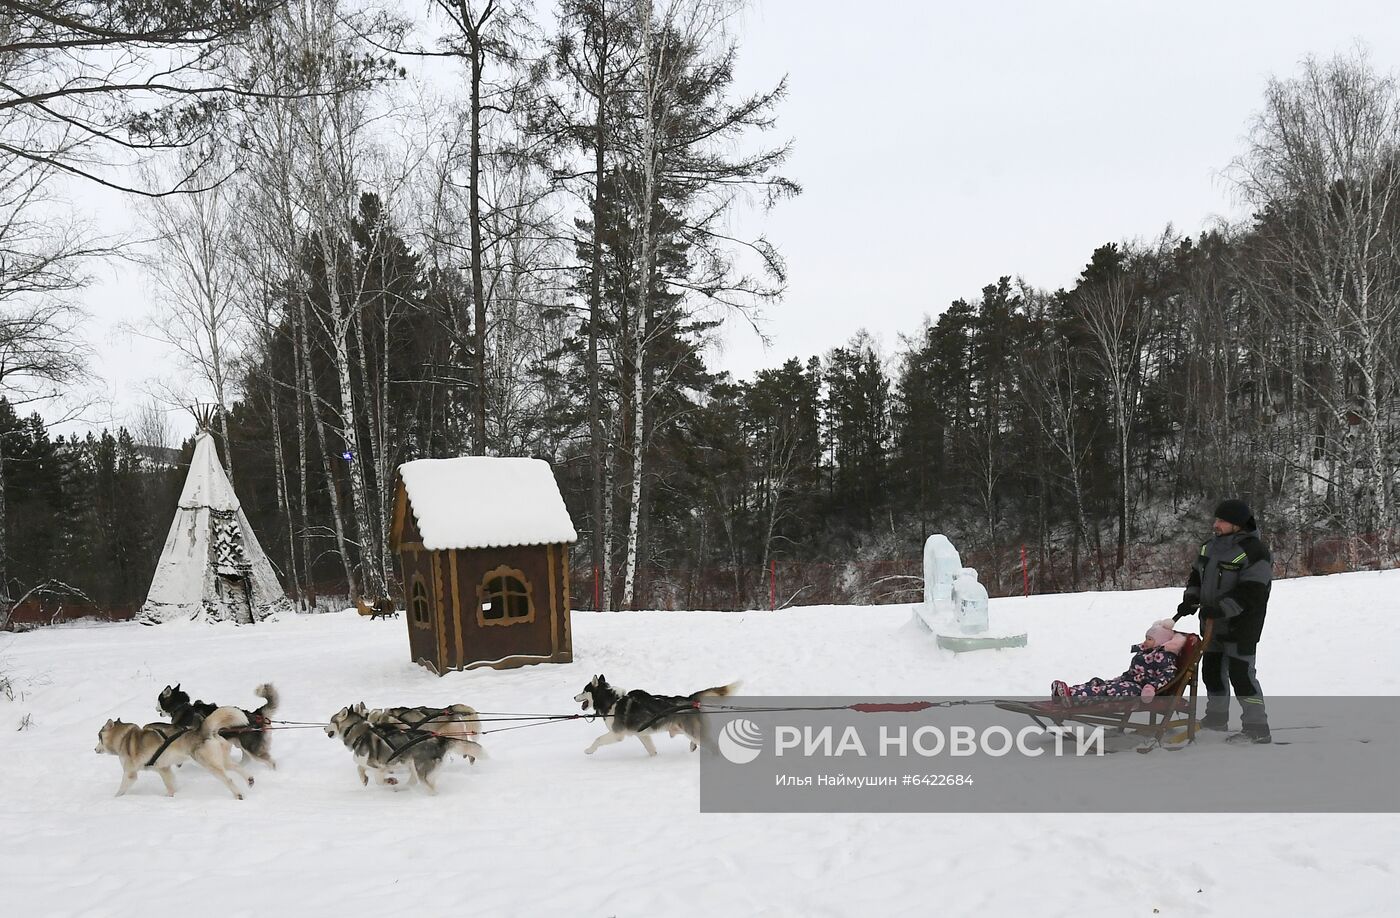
(186, 581)
(541, 829)
(206, 485)
(486, 502)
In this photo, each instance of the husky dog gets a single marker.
(162, 746)
(378, 748)
(176, 704)
(458, 721)
(637, 713)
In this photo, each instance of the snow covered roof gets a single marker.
(486, 502)
(206, 485)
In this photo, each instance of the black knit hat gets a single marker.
(1236, 512)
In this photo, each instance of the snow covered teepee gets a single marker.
(212, 567)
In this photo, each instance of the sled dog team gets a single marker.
(383, 741)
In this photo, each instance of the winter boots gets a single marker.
(1249, 733)
(1252, 733)
(1219, 724)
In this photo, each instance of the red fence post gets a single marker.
(1025, 572)
(773, 585)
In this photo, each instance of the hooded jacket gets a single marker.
(1231, 577)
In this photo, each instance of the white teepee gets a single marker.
(212, 566)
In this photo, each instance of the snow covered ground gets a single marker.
(541, 829)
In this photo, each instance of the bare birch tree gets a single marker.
(40, 353)
(43, 261)
(1113, 314)
(263, 304)
(305, 70)
(1324, 159)
(487, 37)
(676, 143)
(655, 100)
(196, 273)
(1050, 388)
(330, 131)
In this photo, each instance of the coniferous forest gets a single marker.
(536, 263)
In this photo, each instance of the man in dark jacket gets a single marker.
(1229, 584)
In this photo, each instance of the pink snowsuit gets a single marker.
(1155, 667)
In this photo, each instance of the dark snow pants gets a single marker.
(1224, 667)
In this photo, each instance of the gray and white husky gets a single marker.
(161, 747)
(380, 748)
(638, 713)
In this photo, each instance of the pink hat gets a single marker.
(1166, 636)
(1162, 632)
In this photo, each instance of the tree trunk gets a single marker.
(216, 378)
(283, 499)
(595, 311)
(1340, 480)
(474, 221)
(609, 503)
(369, 574)
(635, 498)
(4, 543)
(302, 367)
(223, 424)
(374, 547)
(643, 305)
(386, 467)
(337, 516)
(1368, 368)
(1122, 483)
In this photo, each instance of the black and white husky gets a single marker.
(638, 713)
(380, 748)
(255, 741)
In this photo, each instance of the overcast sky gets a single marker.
(941, 145)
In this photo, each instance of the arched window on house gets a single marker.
(505, 597)
(418, 602)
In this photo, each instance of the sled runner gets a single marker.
(1170, 715)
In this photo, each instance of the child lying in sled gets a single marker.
(1154, 665)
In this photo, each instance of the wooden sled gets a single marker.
(382, 608)
(1170, 712)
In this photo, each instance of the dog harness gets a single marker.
(385, 731)
(391, 734)
(257, 721)
(179, 732)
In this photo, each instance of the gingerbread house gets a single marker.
(483, 551)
